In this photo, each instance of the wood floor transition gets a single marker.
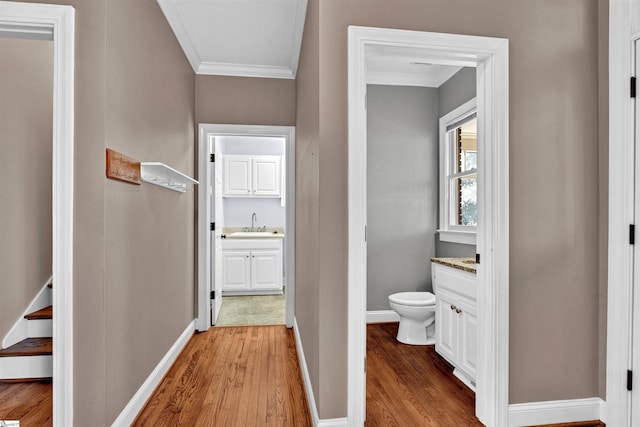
(249, 376)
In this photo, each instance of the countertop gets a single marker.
(464, 264)
(241, 233)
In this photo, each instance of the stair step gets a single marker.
(29, 347)
(45, 313)
(26, 380)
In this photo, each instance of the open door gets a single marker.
(215, 181)
(632, 377)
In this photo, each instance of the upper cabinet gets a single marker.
(252, 176)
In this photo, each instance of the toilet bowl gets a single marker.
(417, 311)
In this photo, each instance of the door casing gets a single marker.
(490, 56)
(55, 22)
(204, 212)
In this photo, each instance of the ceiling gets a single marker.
(250, 38)
(407, 70)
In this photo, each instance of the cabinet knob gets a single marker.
(453, 307)
(458, 311)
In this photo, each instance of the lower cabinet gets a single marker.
(456, 320)
(252, 266)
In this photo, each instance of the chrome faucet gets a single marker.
(254, 219)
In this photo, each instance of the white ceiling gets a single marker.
(253, 38)
(407, 70)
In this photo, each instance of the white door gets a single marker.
(266, 269)
(236, 270)
(237, 175)
(216, 238)
(635, 358)
(266, 176)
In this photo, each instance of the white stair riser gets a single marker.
(20, 330)
(39, 328)
(26, 367)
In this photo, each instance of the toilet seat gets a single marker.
(413, 299)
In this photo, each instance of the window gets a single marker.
(458, 175)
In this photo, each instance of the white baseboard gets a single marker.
(603, 411)
(137, 402)
(333, 422)
(311, 401)
(557, 411)
(20, 331)
(382, 316)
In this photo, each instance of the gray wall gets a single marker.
(402, 190)
(453, 93)
(555, 334)
(149, 241)
(134, 286)
(245, 100)
(26, 117)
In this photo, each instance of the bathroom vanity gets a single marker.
(252, 264)
(454, 284)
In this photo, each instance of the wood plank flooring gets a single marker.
(414, 386)
(30, 403)
(249, 376)
(232, 376)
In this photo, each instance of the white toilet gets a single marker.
(417, 312)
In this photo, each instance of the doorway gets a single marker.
(38, 21)
(490, 57)
(245, 262)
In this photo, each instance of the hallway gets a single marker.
(232, 376)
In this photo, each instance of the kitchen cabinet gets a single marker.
(456, 320)
(252, 176)
(252, 266)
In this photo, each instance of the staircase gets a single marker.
(31, 359)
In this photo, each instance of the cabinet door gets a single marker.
(237, 176)
(266, 270)
(236, 270)
(266, 176)
(468, 351)
(446, 326)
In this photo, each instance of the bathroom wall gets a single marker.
(453, 93)
(553, 114)
(237, 210)
(402, 190)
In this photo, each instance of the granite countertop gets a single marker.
(242, 233)
(464, 264)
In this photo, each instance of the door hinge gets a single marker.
(632, 88)
(212, 158)
(632, 234)
(477, 258)
(212, 226)
(365, 365)
(629, 380)
(365, 233)
(212, 294)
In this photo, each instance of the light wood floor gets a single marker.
(249, 376)
(30, 403)
(232, 376)
(414, 386)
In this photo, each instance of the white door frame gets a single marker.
(40, 21)
(490, 57)
(204, 211)
(622, 14)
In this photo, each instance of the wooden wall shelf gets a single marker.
(165, 176)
